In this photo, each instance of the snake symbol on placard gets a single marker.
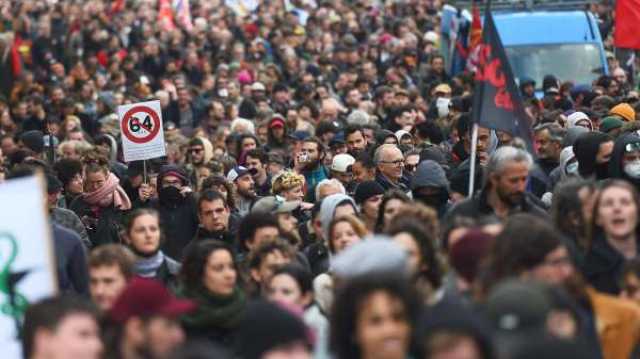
(16, 303)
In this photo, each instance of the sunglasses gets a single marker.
(410, 168)
(196, 150)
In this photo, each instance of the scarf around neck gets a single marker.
(213, 311)
(110, 194)
(148, 267)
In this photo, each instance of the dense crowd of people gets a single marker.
(314, 197)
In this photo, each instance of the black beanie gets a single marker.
(33, 140)
(266, 326)
(366, 190)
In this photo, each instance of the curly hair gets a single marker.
(195, 260)
(286, 181)
(348, 307)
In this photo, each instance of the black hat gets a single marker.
(173, 170)
(267, 326)
(366, 190)
(33, 140)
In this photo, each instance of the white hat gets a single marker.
(342, 162)
(430, 36)
(258, 86)
(574, 118)
(401, 133)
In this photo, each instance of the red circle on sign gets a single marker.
(129, 116)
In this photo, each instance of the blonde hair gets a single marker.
(286, 181)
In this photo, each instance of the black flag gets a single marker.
(497, 103)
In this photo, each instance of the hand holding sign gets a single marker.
(141, 127)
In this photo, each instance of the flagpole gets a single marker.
(472, 171)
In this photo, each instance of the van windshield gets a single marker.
(579, 63)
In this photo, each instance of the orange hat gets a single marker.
(625, 111)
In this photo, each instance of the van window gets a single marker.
(579, 63)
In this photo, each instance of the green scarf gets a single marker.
(213, 310)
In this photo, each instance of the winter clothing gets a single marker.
(69, 220)
(366, 190)
(158, 267)
(618, 324)
(625, 111)
(328, 209)
(217, 318)
(71, 261)
(586, 148)
(478, 207)
(110, 194)
(102, 223)
(267, 326)
(616, 167)
(603, 266)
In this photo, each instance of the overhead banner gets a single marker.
(141, 130)
(27, 265)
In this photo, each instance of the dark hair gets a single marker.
(211, 181)
(463, 125)
(250, 225)
(567, 209)
(311, 106)
(301, 275)
(196, 255)
(366, 159)
(350, 129)
(260, 253)
(523, 244)
(48, 314)
(388, 196)
(430, 131)
(66, 169)
(317, 141)
(113, 254)
(430, 267)
(210, 196)
(243, 137)
(259, 154)
(347, 308)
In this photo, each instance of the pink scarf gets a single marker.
(109, 194)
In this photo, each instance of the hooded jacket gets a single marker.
(430, 174)
(586, 149)
(616, 168)
(328, 209)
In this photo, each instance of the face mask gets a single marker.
(602, 170)
(435, 200)
(633, 169)
(572, 169)
(170, 195)
(442, 103)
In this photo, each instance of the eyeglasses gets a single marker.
(395, 163)
(196, 150)
(632, 147)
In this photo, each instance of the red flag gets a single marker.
(165, 16)
(16, 61)
(475, 39)
(117, 6)
(626, 24)
(475, 35)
